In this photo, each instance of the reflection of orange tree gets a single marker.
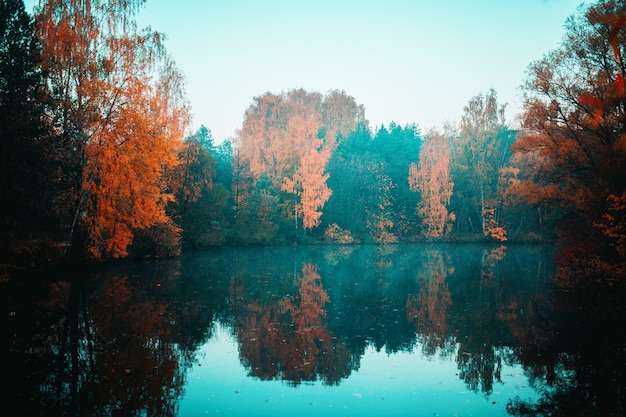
(383, 257)
(289, 340)
(108, 353)
(573, 144)
(138, 369)
(261, 340)
(490, 262)
(429, 308)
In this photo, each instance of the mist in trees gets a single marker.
(98, 161)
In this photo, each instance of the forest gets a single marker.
(98, 161)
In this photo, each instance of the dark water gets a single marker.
(400, 330)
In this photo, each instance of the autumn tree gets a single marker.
(119, 107)
(573, 135)
(285, 336)
(529, 215)
(274, 131)
(309, 181)
(431, 178)
(479, 153)
(340, 116)
(307, 311)
(289, 138)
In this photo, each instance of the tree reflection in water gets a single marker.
(123, 339)
(576, 354)
(108, 342)
(101, 350)
(429, 309)
(289, 339)
(467, 304)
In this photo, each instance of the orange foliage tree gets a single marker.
(288, 138)
(432, 180)
(340, 116)
(309, 181)
(573, 135)
(119, 101)
(274, 131)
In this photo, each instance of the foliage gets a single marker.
(335, 234)
(340, 116)
(480, 151)
(380, 220)
(200, 203)
(613, 222)
(118, 103)
(161, 240)
(257, 220)
(432, 180)
(352, 182)
(396, 148)
(574, 130)
(309, 181)
(288, 138)
(94, 115)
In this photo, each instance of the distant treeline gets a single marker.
(97, 164)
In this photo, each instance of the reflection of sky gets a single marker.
(400, 384)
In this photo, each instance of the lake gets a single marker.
(399, 330)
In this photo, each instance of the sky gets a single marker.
(407, 61)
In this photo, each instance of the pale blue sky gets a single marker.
(406, 61)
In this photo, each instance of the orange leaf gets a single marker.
(596, 105)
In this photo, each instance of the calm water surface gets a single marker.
(408, 330)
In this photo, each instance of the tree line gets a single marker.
(97, 161)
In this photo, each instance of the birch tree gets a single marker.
(309, 182)
(431, 178)
(479, 155)
(119, 104)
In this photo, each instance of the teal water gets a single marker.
(406, 330)
(400, 384)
